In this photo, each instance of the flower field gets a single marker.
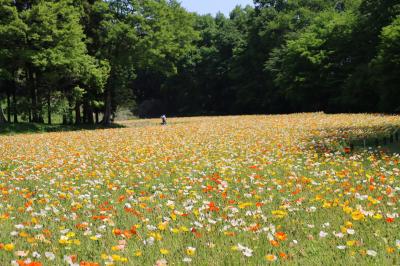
(250, 190)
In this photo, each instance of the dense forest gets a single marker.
(83, 59)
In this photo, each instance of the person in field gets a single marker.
(163, 120)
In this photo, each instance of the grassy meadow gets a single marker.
(245, 190)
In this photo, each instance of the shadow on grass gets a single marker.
(27, 128)
(388, 141)
(385, 138)
(139, 123)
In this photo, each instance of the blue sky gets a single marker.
(213, 6)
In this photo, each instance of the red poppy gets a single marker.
(213, 207)
(86, 263)
(34, 263)
(390, 220)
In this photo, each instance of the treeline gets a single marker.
(83, 59)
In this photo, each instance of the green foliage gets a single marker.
(387, 65)
(56, 45)
(311, 64)
(155, 57)
(12, 39)
(390, 44)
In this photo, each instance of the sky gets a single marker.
(213, 6)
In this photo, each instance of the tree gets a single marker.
(387, 66)
(361, 91)
(58, 55)
(143, 41)
(311, 67)
(93, 56)
(12, 43)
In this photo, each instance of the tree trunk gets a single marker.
(88, 109)
(64, 119)
(14, 99)
(33, 84)
(107, 110)
(2, 118)
(90, 114)
(85, 117)
(49, 107)
(97, 116)
(78, 118)
(70, 112)
(8, 106)
(66, 110)
(41, 119)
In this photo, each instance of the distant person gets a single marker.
(163, 120)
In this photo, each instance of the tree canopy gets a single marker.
(82, 60)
